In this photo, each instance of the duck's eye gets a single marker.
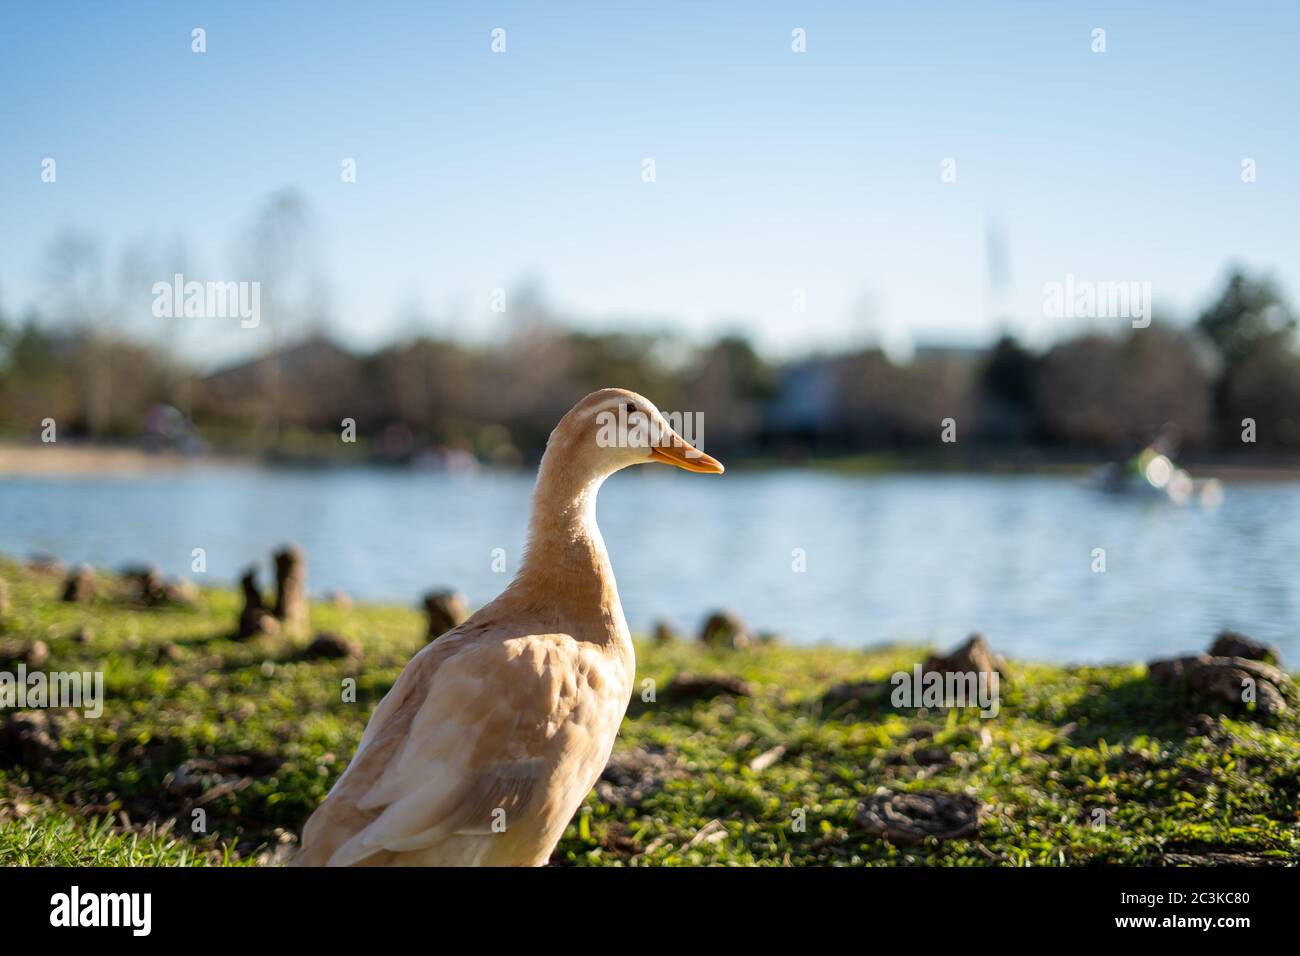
(627, 408)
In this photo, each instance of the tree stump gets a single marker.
(181, 592)
(16, 651)
(725, 629)
(664, 632)
(255, 619)
(148, 584)
(291, 589)
(446, 609)
(972, 657)
(330, 646)
(1232, 644)
(1226, 680)
(80, 586)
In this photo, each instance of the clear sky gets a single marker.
(819, 171)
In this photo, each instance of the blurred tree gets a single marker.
(279, 254)
(34, 384)
(1250, 313)
(1264, 386)
(865, 396)
(79, 301)
(1008, 373)
(1006, 398)
(1102, 392)
(1251, 327)
(727, 386)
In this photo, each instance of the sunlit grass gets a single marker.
(1089, 765)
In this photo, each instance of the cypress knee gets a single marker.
(255, 619)
(446, 609)
(291, 589)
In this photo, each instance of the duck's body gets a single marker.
(492, 736)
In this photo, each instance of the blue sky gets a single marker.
(775, 171)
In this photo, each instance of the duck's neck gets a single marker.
(566, 570)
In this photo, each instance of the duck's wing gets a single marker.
(465, 735)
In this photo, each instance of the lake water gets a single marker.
(888, 558)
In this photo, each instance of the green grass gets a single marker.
(57, 838)
(1068, 742)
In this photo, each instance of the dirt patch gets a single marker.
(856, 692)
(907, 819)
(204, 779)
(631, 776)
(28, 738)
(329, 646)
(687, 688)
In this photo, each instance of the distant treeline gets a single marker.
(1093, 393)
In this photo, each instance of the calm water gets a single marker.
(902, 557)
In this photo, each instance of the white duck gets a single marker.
(493, 734)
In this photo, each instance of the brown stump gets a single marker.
(446, 609)
(1232, 644)
(664, 632)
(16, 651)
(255, 619)
(972, 657)
(153, 590)
(168, 653)
(181, 592)
(291, 589)
(80, 586)
(148, 583)
(725, 629)
(147, 586)
(330, 646)
(1225, 679)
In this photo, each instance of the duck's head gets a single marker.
(614, 428)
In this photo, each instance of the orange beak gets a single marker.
(686, 456)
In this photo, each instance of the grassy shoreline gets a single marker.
(1083, 765)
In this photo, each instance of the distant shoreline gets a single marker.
(56, 459)
(30, 459)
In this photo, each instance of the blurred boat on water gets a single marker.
(1153, 475)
